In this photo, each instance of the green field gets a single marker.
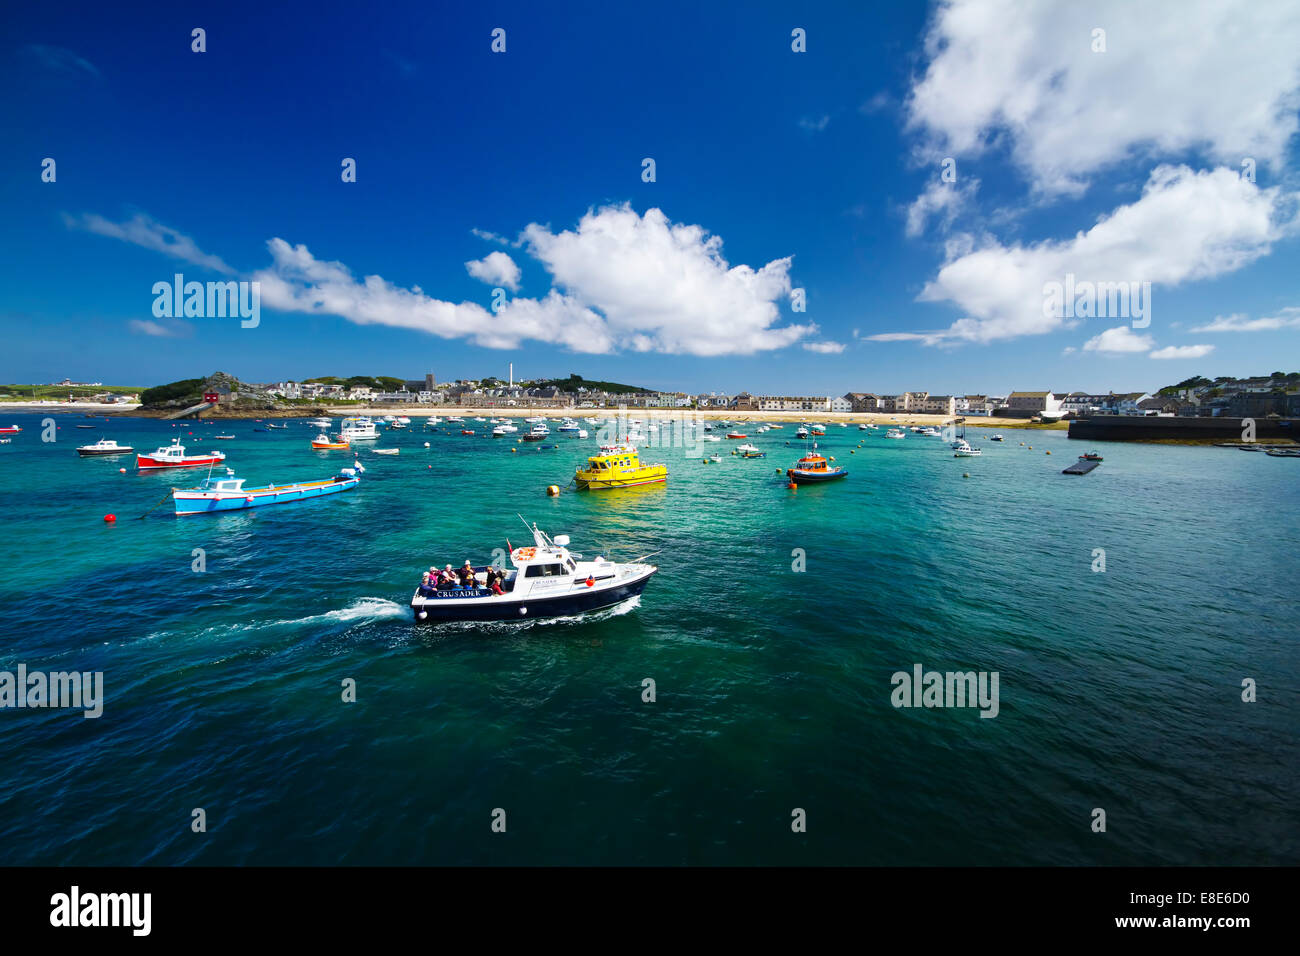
(36, 393)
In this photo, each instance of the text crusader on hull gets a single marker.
(546, 581)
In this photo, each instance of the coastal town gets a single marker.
(1275, 395)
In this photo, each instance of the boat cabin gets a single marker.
(812, 463)
(229, 483)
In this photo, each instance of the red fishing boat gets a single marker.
(173, 456)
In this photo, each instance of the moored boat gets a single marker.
(539, 432)
(323, 442)
(618, 466)
(1091, 456)
(9, 429)
(813, 468)
(358, 428)
(546, 581)
(105, 446)
(895, 433)
(173, 456)
(229, 494)
(962, 449)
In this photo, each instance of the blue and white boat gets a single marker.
(229, 493)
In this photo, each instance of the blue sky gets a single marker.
(775, 170)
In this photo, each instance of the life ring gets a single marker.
(525, 554)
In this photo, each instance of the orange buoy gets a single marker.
(109, 519)
(792, 486)
(552, 490)
(121, 471)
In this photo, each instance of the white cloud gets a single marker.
(496, 268)
(1182, 352)
(928, 338)
(1119, 340)
(942, 200)
(492, 237)
(814, 124)
(1220, 76)
(174, 329)
(825, 348)
(878, 103)
(143, 231)
(620, 281)
(299, 282)
(1186, 226)
(665, 286)
(1288, 318)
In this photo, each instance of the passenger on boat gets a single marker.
(425, 587)
(467, 575)
(447, 579)
(494, 581)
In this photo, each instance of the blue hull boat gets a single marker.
(229, 494)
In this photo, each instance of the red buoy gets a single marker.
(109, 519)
(792, 486)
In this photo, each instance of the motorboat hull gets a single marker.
(147, 462)
(209, 502)
(814, 478)
(481, 605)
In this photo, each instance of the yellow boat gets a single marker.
(618, 466)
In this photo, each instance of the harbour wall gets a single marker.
(1136, 428)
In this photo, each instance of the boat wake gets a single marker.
(362, 610)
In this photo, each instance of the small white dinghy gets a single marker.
(386, 451)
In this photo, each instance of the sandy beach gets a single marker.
(645, 414)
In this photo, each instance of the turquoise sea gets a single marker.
(1119, 690)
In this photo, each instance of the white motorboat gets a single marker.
(358, 429)
(962, 449)
(895, 433)
(105, 446)
(547, 581)
(386, 451)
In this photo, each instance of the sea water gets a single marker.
(1126, 615)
